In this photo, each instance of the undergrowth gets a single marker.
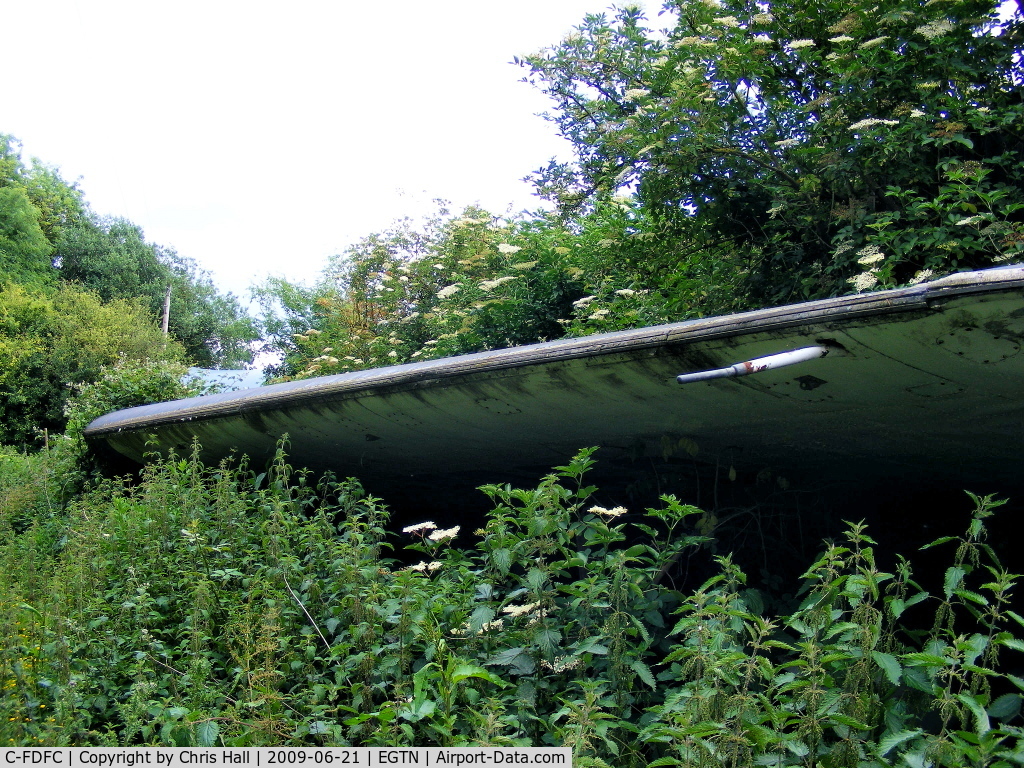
(209, 606)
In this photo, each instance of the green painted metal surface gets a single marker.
(917, 381)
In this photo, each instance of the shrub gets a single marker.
(220, 606)
(53, 339)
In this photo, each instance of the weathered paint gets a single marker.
(915, 379)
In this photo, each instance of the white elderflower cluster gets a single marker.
(970, 221)
(869, 255)
(873, 42)
(798, 44)
(519, 610)
(488, 285)
(599, 314)
(727, 21)
(487, 626)
(636, 93)
(420, 528)
(787, 143)
(580, 303)
(448, 290)
(920, 277)
(762, 18)
(561, 663)
(864, 281)
(625, 292)
(841, 39)
(870, 122)
(442, 534)
(621, 175)
(509, 248)
(934, 29)
(609, 513)
(423, 567)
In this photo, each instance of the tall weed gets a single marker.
(217, 605)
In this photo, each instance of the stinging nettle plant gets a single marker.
(215, 605)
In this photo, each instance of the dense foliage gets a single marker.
(78, 292)
(471, 282)
(49, 237)
(813, 145)
(112, 259)
(217, 606)
(53, 339)
(745, 155)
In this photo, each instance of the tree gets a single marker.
(48, 233)
(24, 247)
(818, 147)
(214, 328)
(457, 284)
(53, 339)
(112, 258)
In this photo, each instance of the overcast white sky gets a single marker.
(259, 138)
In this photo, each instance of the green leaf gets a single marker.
(548, 639)
(506, 657)
(207, 733)
(1016, 617)
(419, 709)
(893, 740)
(925, 660)
(466, 671)
(589, 645)
(536, 578)
(640, 628)
(981, 722)
(973, 597)
(849, 722)
(644, 672)
(938, 541)
(889, 665)
(482, 615)
(1005, 707)
(917, 598)
(954, 576)
(517, 660)
(502, 559)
